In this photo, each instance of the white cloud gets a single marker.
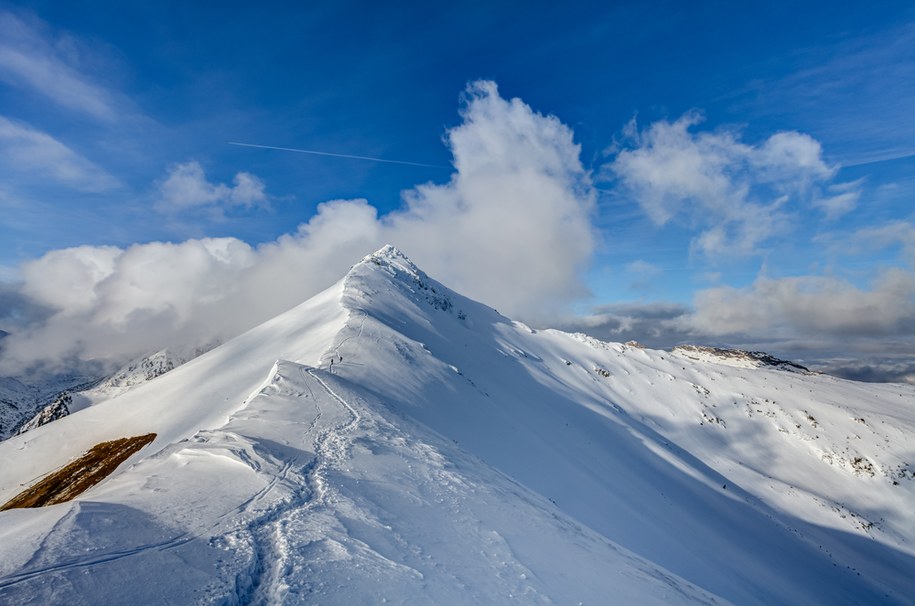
(790, 159)
(841, 199)
(76, 274)
(642, 267)
(808, 305)
(32, 58)
(39, 157)
(510, 228)
(737, 194)
(897, 233)
(839, 204)
(186, 187)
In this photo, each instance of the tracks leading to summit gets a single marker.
(278, 537)
(331, 443)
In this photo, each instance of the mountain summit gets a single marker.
(392, 440)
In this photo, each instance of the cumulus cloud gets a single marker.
(736, 193)
(186, 188)
(515, 215)
(37, 156)
(33, 59)
(511, 228)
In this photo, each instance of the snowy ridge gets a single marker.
(16, 401)
(25, 407)
(135, 373)
(392, 435)
(143, 370)
(20, 401)
(736, 357)
(129, 376)
(57, 409)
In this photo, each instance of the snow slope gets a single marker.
(22, 397)
(391, 439)
(85, 394)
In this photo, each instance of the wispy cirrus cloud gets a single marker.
(896, 233)
(855, 91)
(39, 158)
(839, 199)
(33, 58)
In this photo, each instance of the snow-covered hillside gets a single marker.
(81, 393)
(21, 398)
(392, 440)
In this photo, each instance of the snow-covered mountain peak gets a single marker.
(391, 262)
(390, 254)
(388, 284)
(144, 369)
(391, 438)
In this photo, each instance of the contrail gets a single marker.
(876, 159)
(321, 153)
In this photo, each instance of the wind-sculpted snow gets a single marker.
(312, 494)
(419, 447)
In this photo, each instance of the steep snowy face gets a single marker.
(199, 394)
(145, 369)
(57, 409)
(82, 396)
(17, 400)
(655, 449)
(23, 397)
(391, 433)
(310, 491)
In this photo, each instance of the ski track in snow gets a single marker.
(448, 459)
(111, 556)
(270, 535)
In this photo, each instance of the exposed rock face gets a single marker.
(57, 409)
(738, 357)
(143, 370)
(80, 475)
(25, 407)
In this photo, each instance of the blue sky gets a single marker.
(116, 118)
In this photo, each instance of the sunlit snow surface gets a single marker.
(450, 455)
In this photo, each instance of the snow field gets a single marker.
(418, 447)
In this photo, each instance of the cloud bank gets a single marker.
(810, 305)
(828, 323)
(511, 228)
